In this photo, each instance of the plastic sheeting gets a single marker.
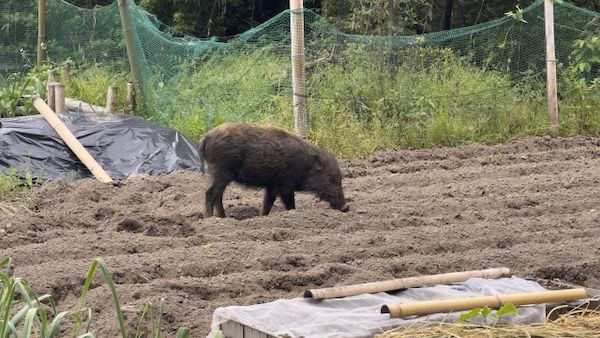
(123, 145)
(360, 316)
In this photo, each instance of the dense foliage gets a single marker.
(226, 18)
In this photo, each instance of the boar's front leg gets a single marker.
(287, 197)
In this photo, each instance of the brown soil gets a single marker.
(531, 205)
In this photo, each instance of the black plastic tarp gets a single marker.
(123, 145)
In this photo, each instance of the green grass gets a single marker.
(16, 191)
(356, 104)
(22, 314)
(356, 107)
(91, 85)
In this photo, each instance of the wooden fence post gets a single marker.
(551, 66)
(298, 76)
(41, 41)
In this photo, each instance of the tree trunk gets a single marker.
(392, 31)
(447, 19)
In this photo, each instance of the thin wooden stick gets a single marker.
(405, 283)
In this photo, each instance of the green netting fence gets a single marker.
(209, 78)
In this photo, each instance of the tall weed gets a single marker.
(359, 102)
(22, 314)
(90, 84)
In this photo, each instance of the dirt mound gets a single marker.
(531, 205)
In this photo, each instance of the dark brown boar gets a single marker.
(270, 158)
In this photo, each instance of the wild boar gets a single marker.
(270, 158)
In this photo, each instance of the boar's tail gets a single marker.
(201, 152)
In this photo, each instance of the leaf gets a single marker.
(582, 66)
(485, 312)
(185, 332)
(507, 309)
(594, 58)
(466, 316)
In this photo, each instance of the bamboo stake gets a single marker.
(130, 97)
(111, 96)
(71, 141)
(405, 283)
(59, 97)
(50, 80)
(41, 43)
(497, 301)
(51, 95)
(130, 46)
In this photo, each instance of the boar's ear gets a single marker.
(318, 161)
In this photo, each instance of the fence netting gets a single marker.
(255, 66)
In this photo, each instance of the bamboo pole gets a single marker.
(51, 79)
(405, 283)
(298, 75)
(41, 42)
(130, 45)
(497, 301)
(71, 141)
(551, 66)
(111, 97)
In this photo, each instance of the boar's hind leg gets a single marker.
(214, 195)
(219, 206)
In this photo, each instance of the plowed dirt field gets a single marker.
(532, 205)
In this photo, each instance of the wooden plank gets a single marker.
(233, 329)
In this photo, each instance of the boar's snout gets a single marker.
(339, 204)
(343, 207)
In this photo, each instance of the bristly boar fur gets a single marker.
(270, 158)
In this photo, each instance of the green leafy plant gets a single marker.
(16, 190)
(586, 51)
(19, 308)
(485, 312)
(16, 93)
(17, 180)
(24, 315)
(517, 15)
